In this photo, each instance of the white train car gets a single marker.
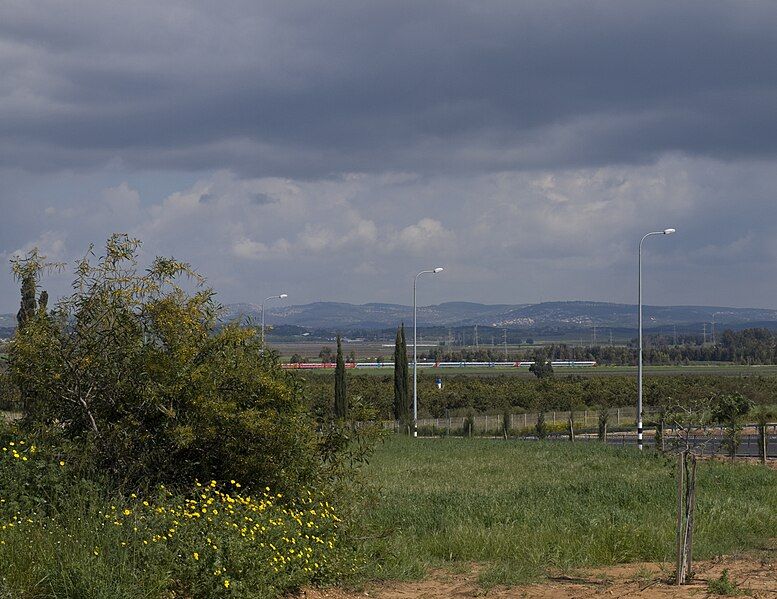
(374, 365)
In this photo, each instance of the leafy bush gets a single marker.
(723, 586)
(134, 372)
(10, 399)
(730, 410)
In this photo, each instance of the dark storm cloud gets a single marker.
(309, 88)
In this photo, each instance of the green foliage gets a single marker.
(133, 371)
(10, 398)
(602, 421)
(468, 426)
(541, 428)
(27, 270)
(490, 393)
(43, 301)
(507, 417)
(62, 536)
(401, 405)
(29, 304)
(729, 410)
(723, 586)
(341, 398)
(542, 368)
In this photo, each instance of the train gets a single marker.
(373, 365)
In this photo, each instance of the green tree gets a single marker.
(401, 384)
(542, 368)
(729, 410)
(28, 304)
(341, 399)
(507, 417)
(541, 428)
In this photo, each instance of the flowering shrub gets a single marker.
(225, 541)
(57, 534)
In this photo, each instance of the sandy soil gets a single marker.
(755, 577)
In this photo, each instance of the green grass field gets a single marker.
(522, 508)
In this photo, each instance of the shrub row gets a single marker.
(492, 394)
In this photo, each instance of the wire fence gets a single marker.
(616, 417)
(621, 429)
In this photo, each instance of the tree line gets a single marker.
(748, 346)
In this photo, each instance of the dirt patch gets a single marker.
(755, 577)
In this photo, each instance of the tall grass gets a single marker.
(521, 508)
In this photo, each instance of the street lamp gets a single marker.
(639, 361)
(434, 271)
(281, 296)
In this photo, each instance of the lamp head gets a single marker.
(438, 269)
(283, 296)
(669, 231)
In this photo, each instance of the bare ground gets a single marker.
(754, 577)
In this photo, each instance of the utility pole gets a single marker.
(594, 338)
(704, 332)
(639, 318)
(476, 337)
(504, 338)
(415, 347)
(674, 328)
(610, 337)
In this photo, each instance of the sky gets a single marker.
(332, 150)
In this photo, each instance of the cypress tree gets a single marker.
(341, 399)
(401, 405)
(408, 406)
(28, 304)
(397, 407)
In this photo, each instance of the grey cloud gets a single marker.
(330, 150)
(304, 89)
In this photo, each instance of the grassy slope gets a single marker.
(521, 508)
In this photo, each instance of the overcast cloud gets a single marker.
(330, 150)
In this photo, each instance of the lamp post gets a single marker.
(281, 296)
(434, 271)
(639, 360)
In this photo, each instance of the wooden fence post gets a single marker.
(679, 561)
(690, 507)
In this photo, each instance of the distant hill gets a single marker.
(571, 315)
(557, 316)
